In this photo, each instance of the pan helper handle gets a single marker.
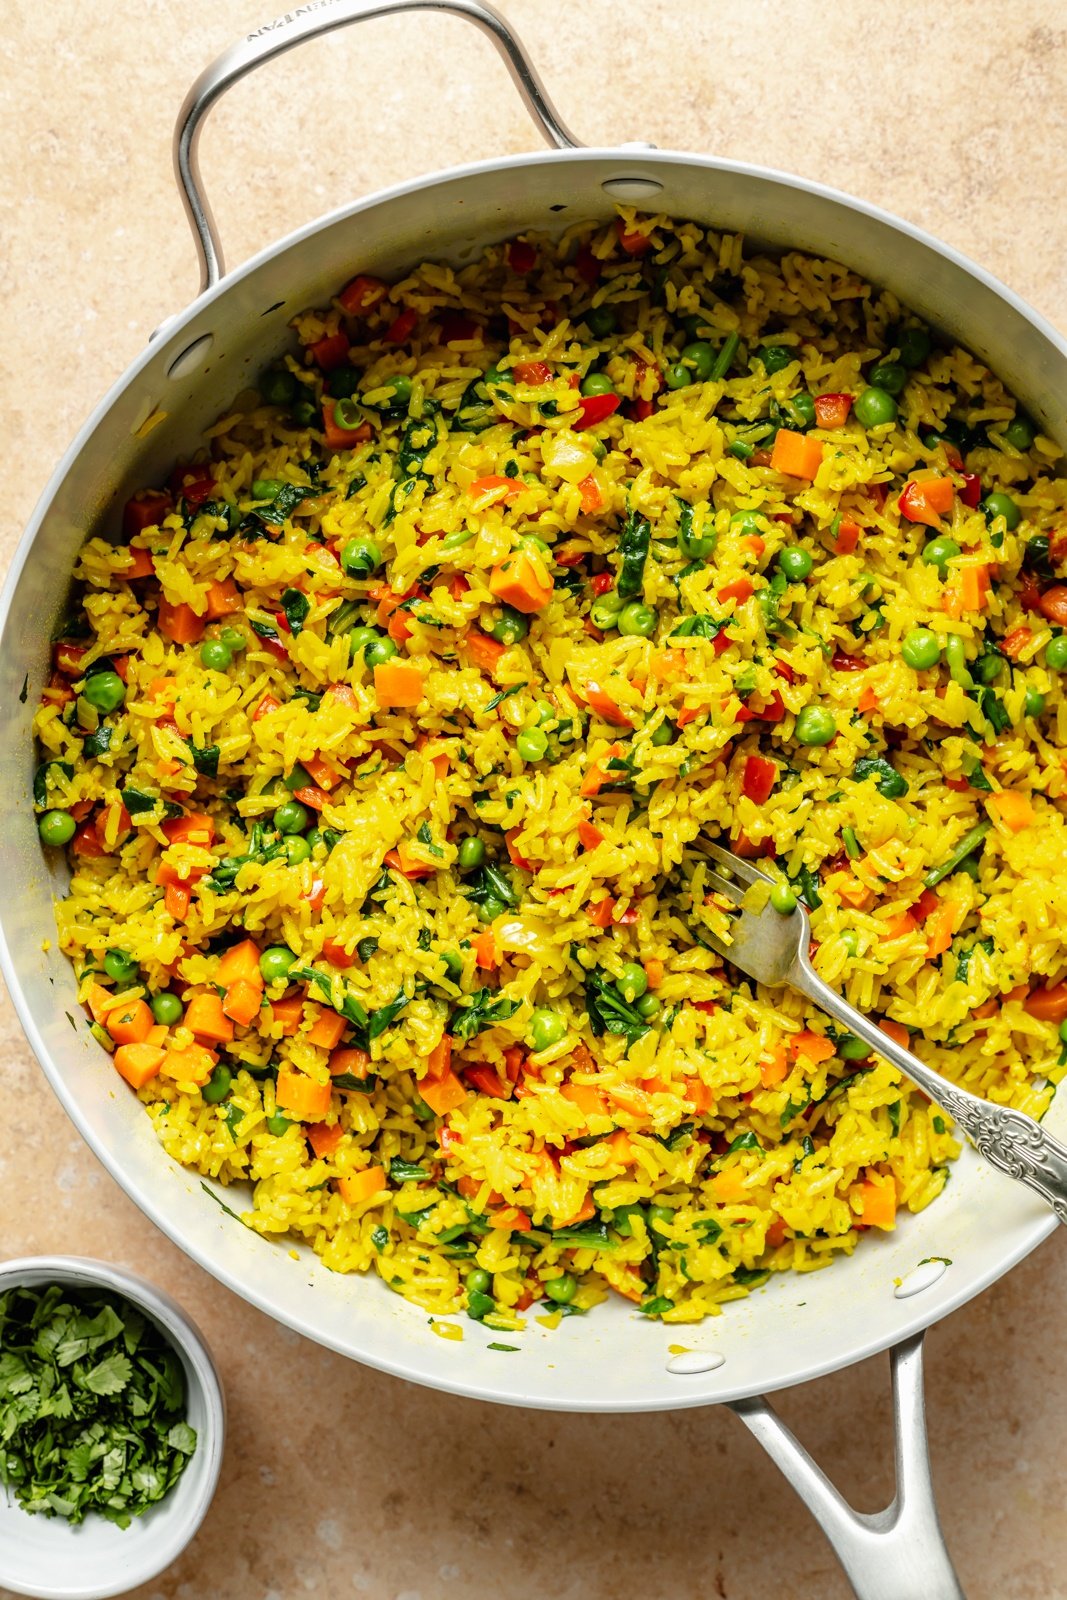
(308, 22)
(895, 1554)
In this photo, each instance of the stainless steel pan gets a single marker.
(791, 1330)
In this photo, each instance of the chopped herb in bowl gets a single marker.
(92, 1405)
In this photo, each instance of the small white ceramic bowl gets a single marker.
(47, 1558)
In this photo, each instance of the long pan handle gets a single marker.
(895, 1554)
(308, 22)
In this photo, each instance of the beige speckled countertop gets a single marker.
(952, 115)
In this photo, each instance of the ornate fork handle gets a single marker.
(1009, 1139)
(1013, 1142)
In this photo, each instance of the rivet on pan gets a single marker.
(692, 1362)
(191, 358)
(631, 188)
(924, 1276)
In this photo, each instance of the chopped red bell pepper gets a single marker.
(485, 1080)
(522, 257)
(456, 328)
(147, 508)
(759, 778)
(67, 658)
(831, 410)
(532, 372)
(784, 670)
(361, 293)
(848, 534)
(587, 266)
(402, 327)
(330, 352)
(595, 408)
(842, 662)
(633, 242)
(971, 492)
(193, 484)
(602, 582)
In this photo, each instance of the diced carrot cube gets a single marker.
(179, 623)
(138, 1063)
(356, 1187)
(328, 1030)
(205, 1017)
(795, 454)
(223, 599)
(308, 1100)
(129, 1024)
(348, 1060)
(324, 1137)
(242, 1002)
(240, 961)
(443, 1094)
(398, 683)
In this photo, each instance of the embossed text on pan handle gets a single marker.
(308, 22)
(1008, 1138)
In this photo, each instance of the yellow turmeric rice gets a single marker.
(384, 737)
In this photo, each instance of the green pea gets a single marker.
(57, 828)
(632, 982)
(167, 1009)
(783, 898)
(361, 557)
(920, 649)
(545, 1028)
(815, 725)
(378, 651)
(1033, 703)
(532, 744)
(604, 612)
(677, 376)
(647, 1007)
(913, 345)
(989, 666)
(665, 732)
(105, 690)
(660, 1218)
(275, 962)
(471, 853)
(343, 382)
(890, 376)
(697, 546)
(775, 357)
(291, 817)
(278, 387)
(874, 407)
(1056, 653)
(297, 850)
(277, 1124)
(453, 964)
(562, 1289)
(490, 908)
(120, 966)
(478, 1281)
(479, 1306)
(795, 563)
(234, 640)
(851, 941)
(266, 488)
(849, 1048)
(218, 1085)
(215, 655)
(637, 620)
(747, 524)
(956, 656)
(1020, 433)
(1063, 1031)
(401, 389)
(696, 326)
(510, 626)
(597, 383)
(701, 357)
(601, 320)
(298, 778)
(305, 412)
(998, 504)
(800, 409)
(939, 552)
(359, 638)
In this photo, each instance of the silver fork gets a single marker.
(773, 949)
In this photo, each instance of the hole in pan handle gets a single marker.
(308, 22)
(895, 1554)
